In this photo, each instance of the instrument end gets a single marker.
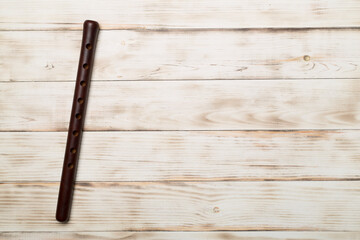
(91, 24)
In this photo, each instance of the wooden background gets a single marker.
(206, 119)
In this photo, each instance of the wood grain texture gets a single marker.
(185, 105)
(180, 206)
(181, 235)
(184, 54)
(185, 156)
(215, 68)
(29, 15)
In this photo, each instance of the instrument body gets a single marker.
(72, 151)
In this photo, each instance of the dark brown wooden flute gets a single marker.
(72, 151)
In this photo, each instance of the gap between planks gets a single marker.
(167, 235)
(218, 130)
(189, 29)
(187, 80)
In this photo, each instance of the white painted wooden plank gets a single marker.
(179, 206)
(185, 105)
(60, 14)
(255, 235)
(179, 156)
(183, 54)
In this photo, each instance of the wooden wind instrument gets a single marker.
(72, 151)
